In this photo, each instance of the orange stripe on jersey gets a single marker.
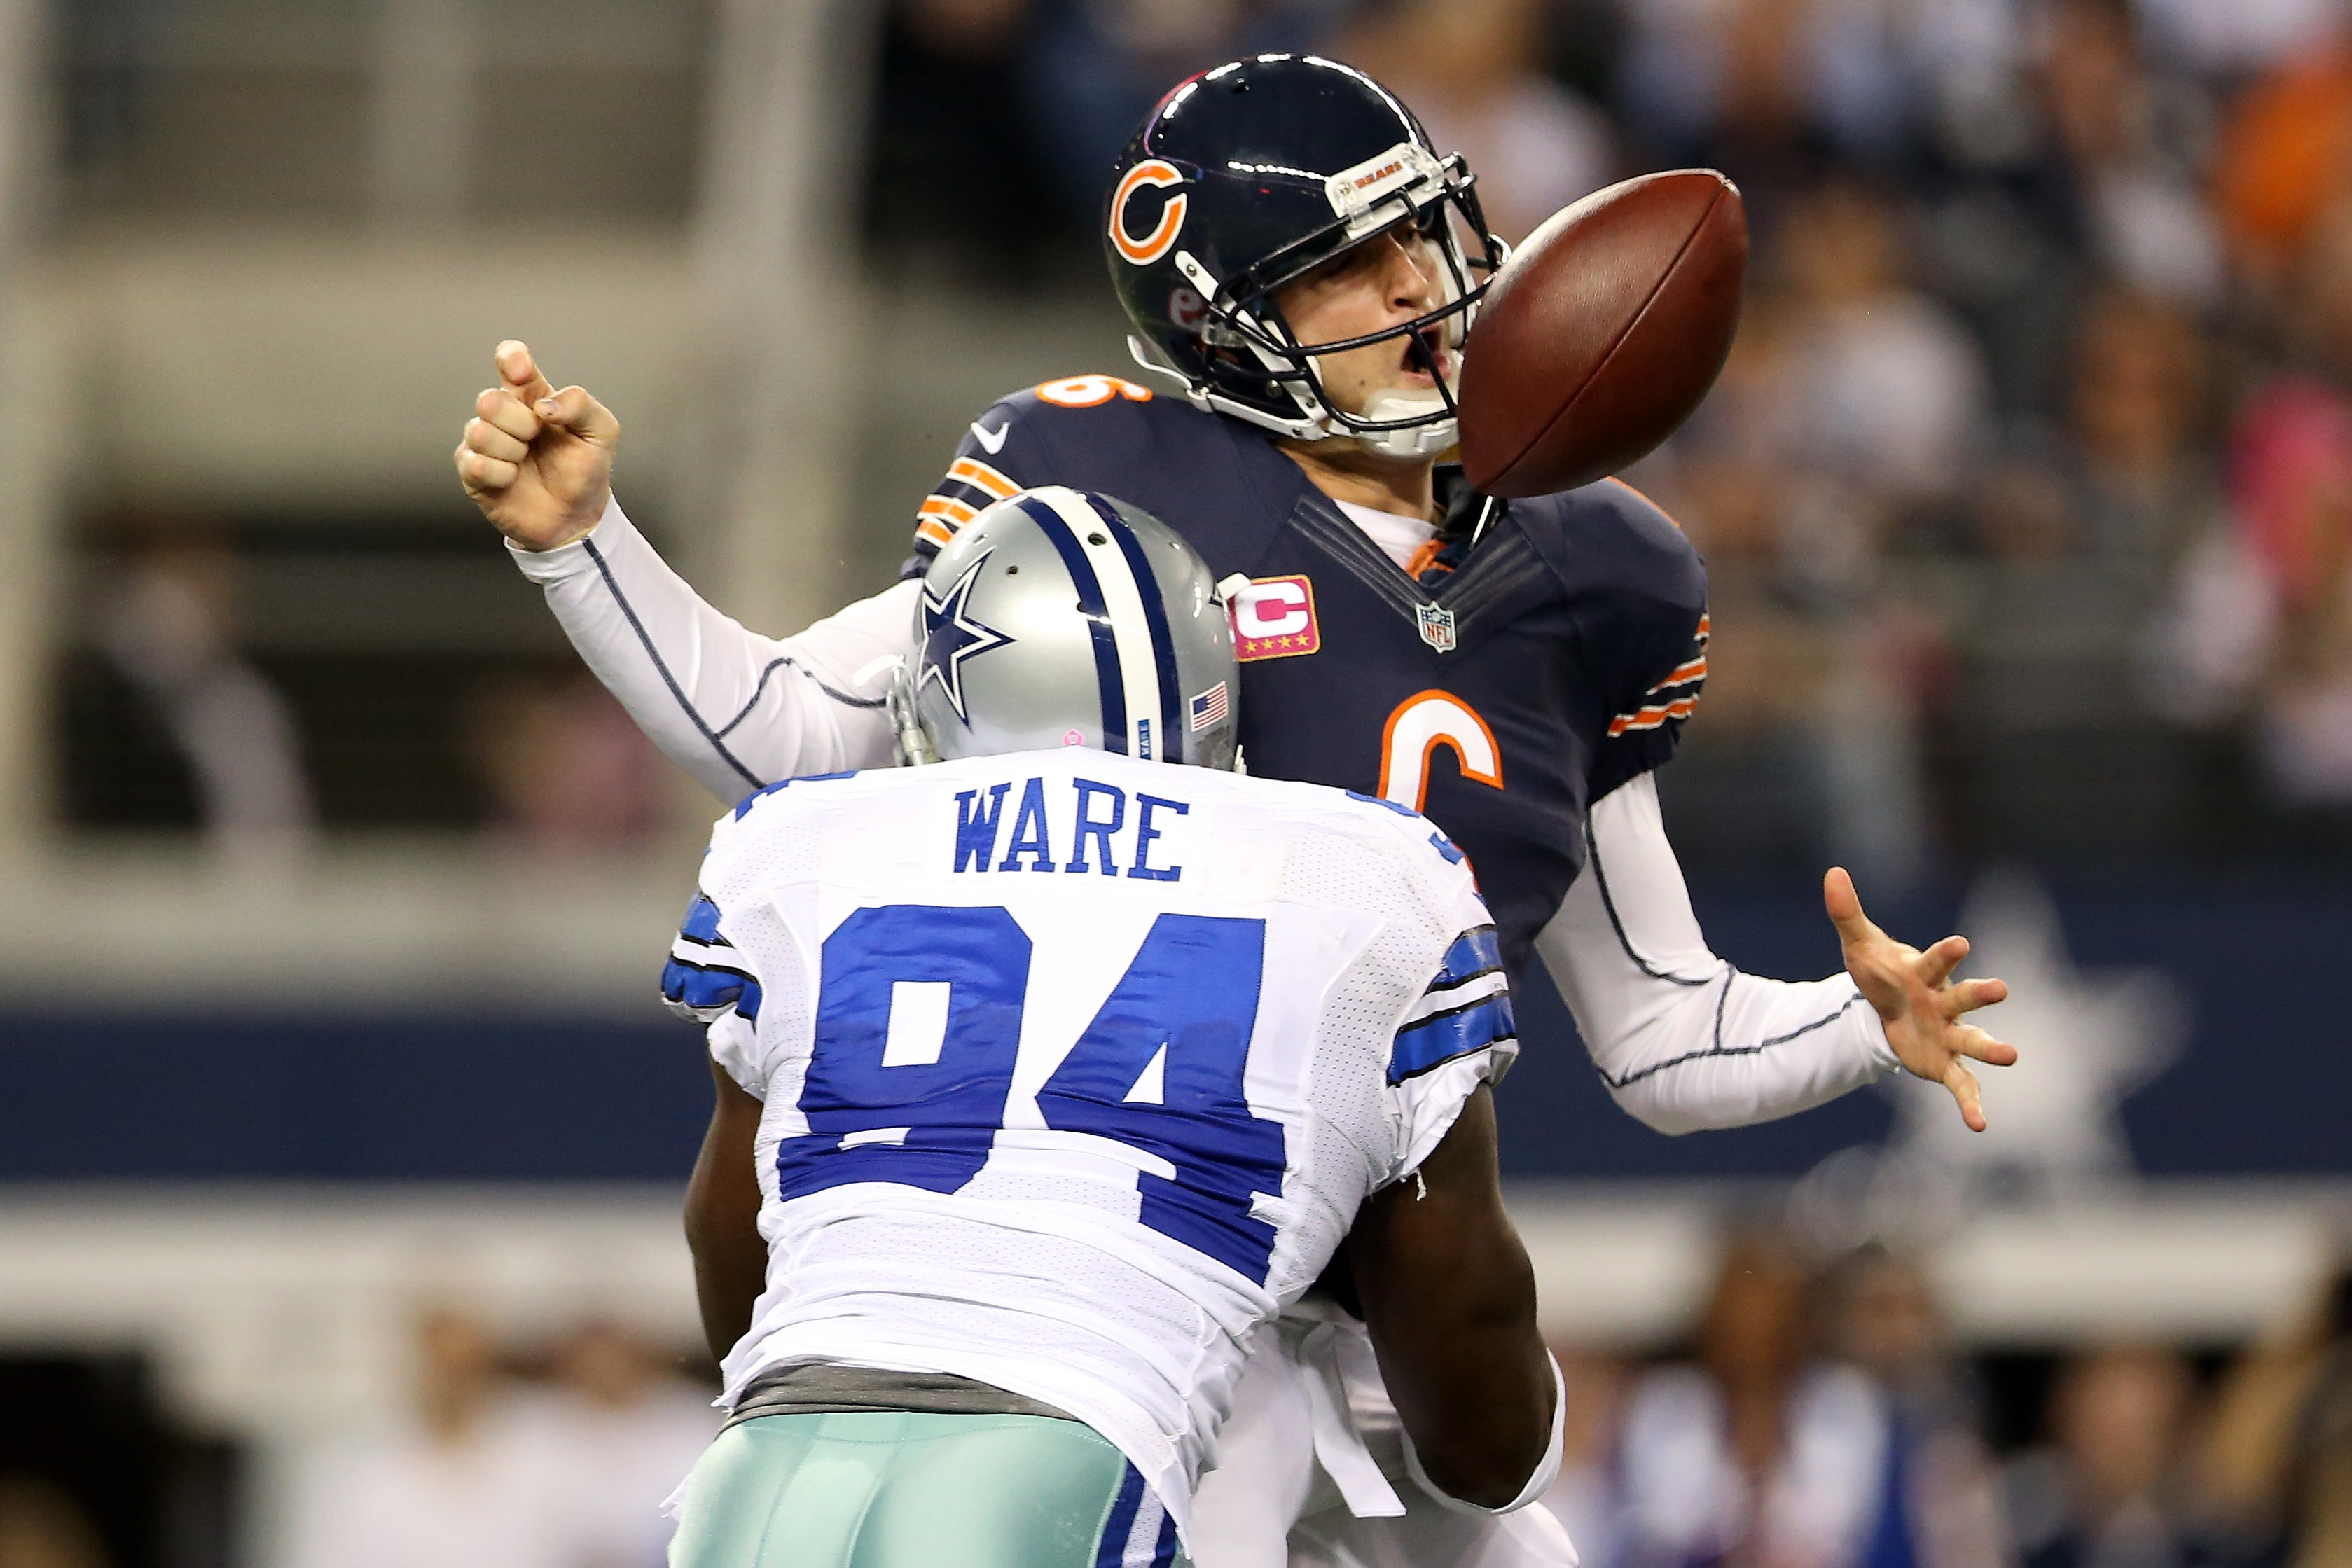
(947, 506)
(1652, 717)
(932, 528)
(979, 475)
(1694, 671)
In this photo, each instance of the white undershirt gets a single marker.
(1397, 536)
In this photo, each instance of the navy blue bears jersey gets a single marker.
(1555, 661)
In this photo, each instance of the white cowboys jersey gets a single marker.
(1077, 1067)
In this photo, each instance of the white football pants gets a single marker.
(1310, 1470)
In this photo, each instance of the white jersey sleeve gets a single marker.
(734, 1043)
(1459, 1033)
(712, 981)
(1683, 1039)
(736, 709)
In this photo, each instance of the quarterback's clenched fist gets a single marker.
(537, 460)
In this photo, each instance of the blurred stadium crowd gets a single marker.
(1815, 1410)
(2024, 494)
(1821, 1416)
(558, 1459)
(2027, 503)
(512, 1452)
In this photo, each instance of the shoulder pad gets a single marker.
(1611, 537)
(756, 796)
(1048, 405)
(1091, 390)
(1645, 605)
(1416, 827)
(1011, 447)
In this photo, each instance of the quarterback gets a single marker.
(1301, 266)
(1007, 1169)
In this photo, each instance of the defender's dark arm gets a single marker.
(1450, 1298)
(722, 1217)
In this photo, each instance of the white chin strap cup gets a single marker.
(1419, 441)
(1408, 444)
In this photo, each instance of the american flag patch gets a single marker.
(1209, 708)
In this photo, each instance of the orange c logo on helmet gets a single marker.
(1153, 171)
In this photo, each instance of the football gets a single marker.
(1602, 332)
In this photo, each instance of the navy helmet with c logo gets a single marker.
(1245, 178)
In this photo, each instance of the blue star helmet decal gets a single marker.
(951, 636)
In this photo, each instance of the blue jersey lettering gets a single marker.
(976, 826)
(1025, 840)
(1088, 828)
(1145, 833)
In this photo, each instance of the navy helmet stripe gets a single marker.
(1155, 615)
(1107, 678)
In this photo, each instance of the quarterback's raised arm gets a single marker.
(1685, 1040)
(736, 709)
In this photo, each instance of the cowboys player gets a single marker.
(1300, 267)
(1006, 1169)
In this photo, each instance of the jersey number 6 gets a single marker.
(918, 1027)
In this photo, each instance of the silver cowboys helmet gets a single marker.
(1062, 618)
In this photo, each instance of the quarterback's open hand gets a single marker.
(1917, 999)
(537, 460)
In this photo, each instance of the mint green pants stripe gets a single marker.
(909, 1490)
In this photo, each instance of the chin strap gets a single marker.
(1411, 442)
(1426, 440)
(914, 742)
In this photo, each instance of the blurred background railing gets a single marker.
(339, 1136)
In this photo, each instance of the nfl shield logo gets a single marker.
(1437, 627)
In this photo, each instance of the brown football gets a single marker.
(1602, 332)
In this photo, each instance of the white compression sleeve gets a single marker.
(1683, 1039)
(734, 708)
